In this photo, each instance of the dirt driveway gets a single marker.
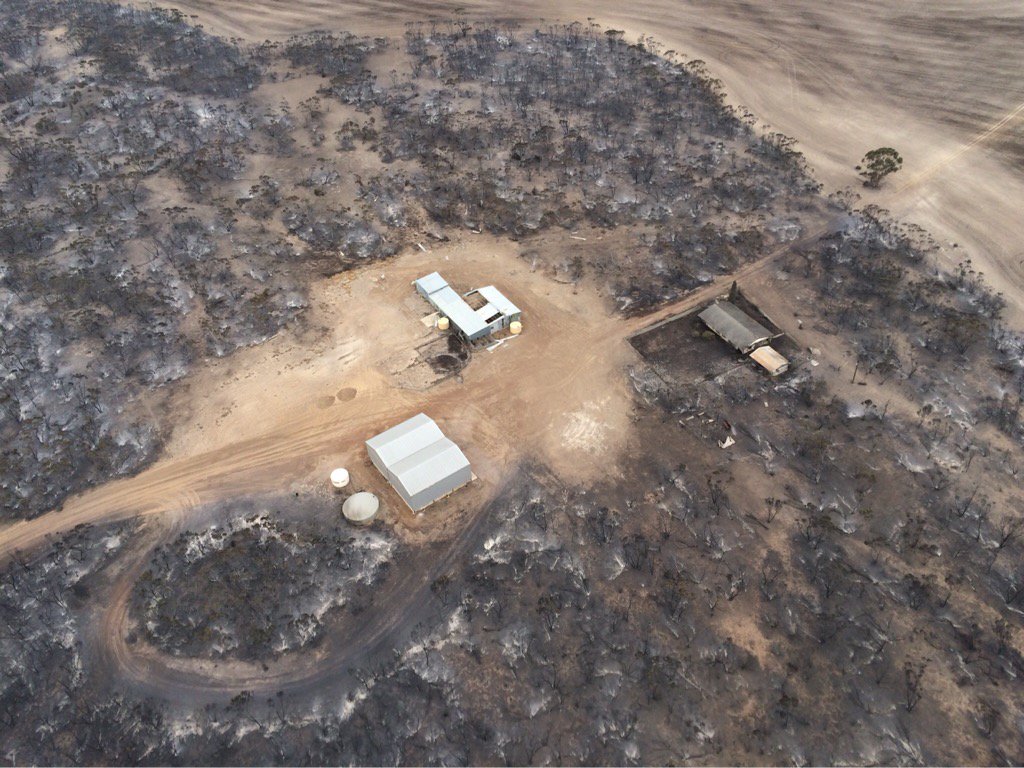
(280, 415)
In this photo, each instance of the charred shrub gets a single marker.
(255, 587)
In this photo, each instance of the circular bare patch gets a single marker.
(346, 394)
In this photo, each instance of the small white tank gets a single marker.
(360, 507)
(339, 477)
(442, 323)
(515, 327)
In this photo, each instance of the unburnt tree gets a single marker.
(878, 164)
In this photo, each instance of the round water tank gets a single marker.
(515, 327)
(339, 477)
(442, 323)
(360, 507)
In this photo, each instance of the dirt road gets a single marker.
(401, 604)
(275, 434)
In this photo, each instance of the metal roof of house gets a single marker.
(431, 283)
(422, 469)
(735, 326)
(455, 308)
(498, 299)
(405, 439)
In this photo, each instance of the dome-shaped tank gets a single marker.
(442, 323)
(360, 507)
(515, 327)
(339, 477)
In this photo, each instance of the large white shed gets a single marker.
(419, 461)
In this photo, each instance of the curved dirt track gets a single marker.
(400, 605)
(841, 79)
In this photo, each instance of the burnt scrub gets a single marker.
(818, 568)
(256, 586)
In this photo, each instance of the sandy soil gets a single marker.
(937, 80)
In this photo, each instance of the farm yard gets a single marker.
(211, 219)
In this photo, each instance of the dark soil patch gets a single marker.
(685, 350)
(446, 356)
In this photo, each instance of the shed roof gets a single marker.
(487, 311)
(431, 283)
(405, 439)
(424, 468)
(455, 308)
(769, 359)
(498, 299)
(735, 326)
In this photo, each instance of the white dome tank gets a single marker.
(360, 507)
(339, 477)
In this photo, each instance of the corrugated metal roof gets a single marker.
(455, 308)
(419, 461)
(431, 283)
(424, 468)
(498, 299)
(405, 439)
(769, 359)
(734, 325)
(487, 311)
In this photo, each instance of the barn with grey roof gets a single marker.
(489, 312)
(421, 464)
(735, 326)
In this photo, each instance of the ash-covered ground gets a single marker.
(258, 586)
(841, 584)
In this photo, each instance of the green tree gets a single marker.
(877, 164)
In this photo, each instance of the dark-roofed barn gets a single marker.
(735, 326)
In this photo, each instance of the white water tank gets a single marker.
(360, 507)
(516, 327)
(339, 477)
(442, 323)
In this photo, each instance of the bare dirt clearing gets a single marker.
(253, 423)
